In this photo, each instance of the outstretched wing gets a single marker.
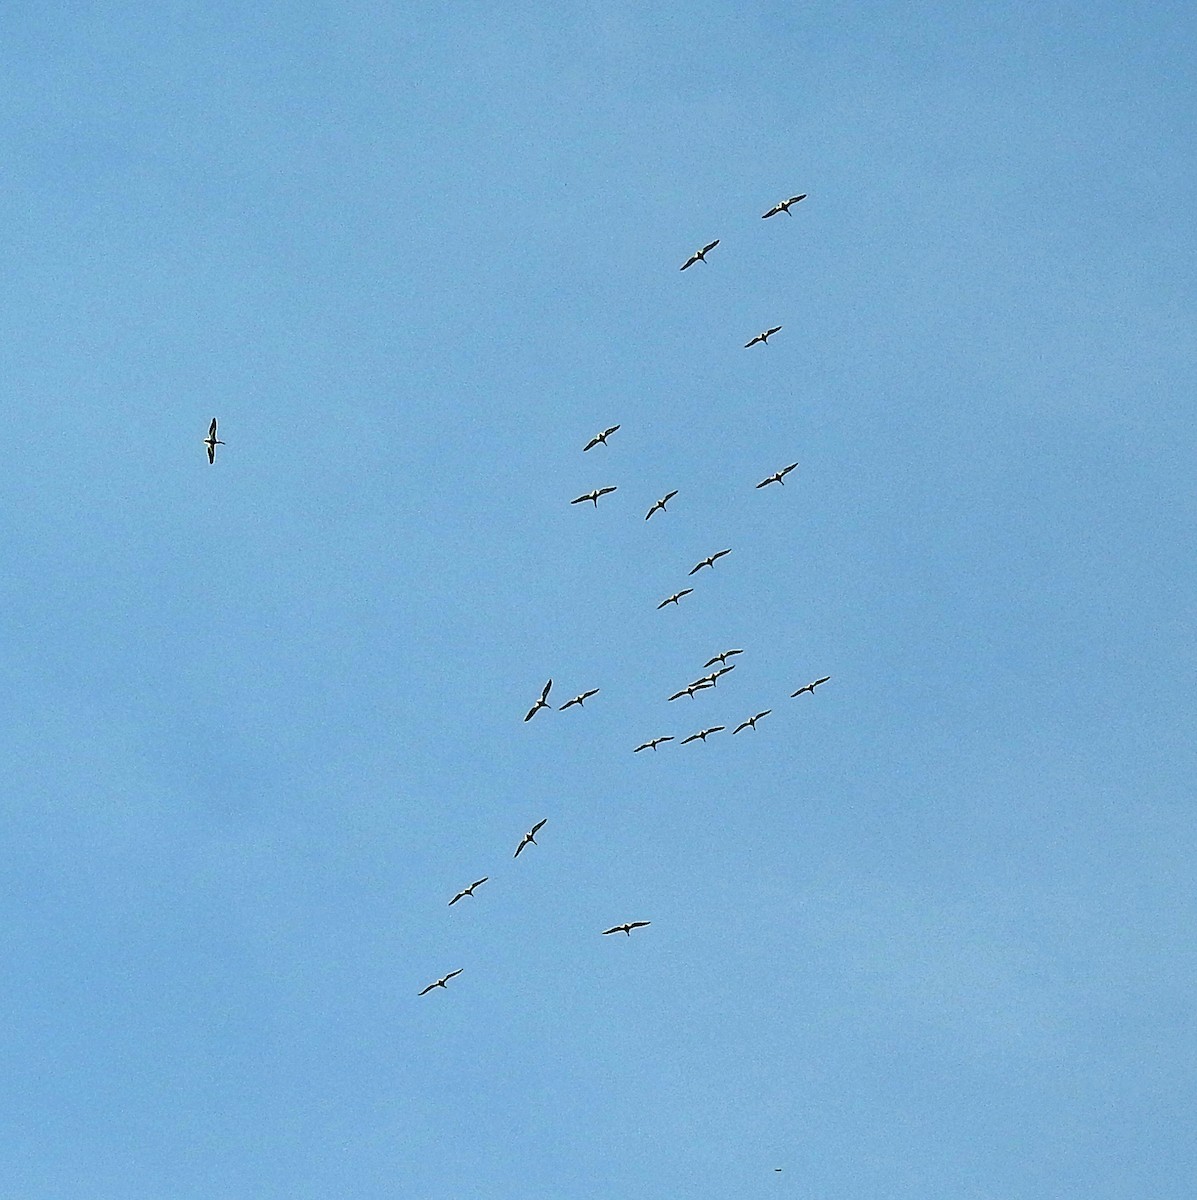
(579, 500)
(689, 262)
(770, 332)
(639, 924)
(712, 246)
(666, 601)
(211, 452)
(742, 725)
(212, 428)
(716, 557)
(426, 990)
(819, 681)
(613, 929)
(533, 711)
(544, 695)
(453, 973)
(772, 212)
(479, 882)
(685, 592)
(590, 445)
(766, 482)
(716, 728)
(539, 826)
(605, 491)
(692, 738)
(795, 199)
(456, 898)
(762, 714)
(570, 703)
(646, 746)
(754, 341)
(519, 849)
(699, 566)
(608, 432)
(787, 470)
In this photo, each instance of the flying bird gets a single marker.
(599, 439)
(529, 837)
(543, 702)
(712, 679)
(626, 928)
(763, 338)
(751, 722)
(652, 745)
(441, 982)
(212, 441)
(810, 687)
(593, 496)
(721, 658)
(700, 255)
(660, 504)
(778, 477)
(579, 700)
(708, 562)
(675, 597)
(696, 686)
(783, 206)
(702, 734)
(468, 891)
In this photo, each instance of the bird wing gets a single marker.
(639, 924)
(787, 470)
(579, 500)
(795, 199)
(819, 681)
(685, 592)
(716, 728)
(212, 428)
(665, 602)
(742, 725)
(721, 553)
(587, 695)
(724, 670)
(456, 898)
(689, 262)
(591, 444)
(211, 453)
(699, 566)
(479, 882)
(754, 341)
(729, 653)
(453, 973)
(692, 738)
(539, 825)
(771, 332)
(772, 212)
(653, 509)
(762, 714)
(665, 739)
(613, 929)
(519, 848)
(608, 432)
(646, 746)
(569, 703)
(799, 692)
(544, 695)
(668, 496)
(533, 711)
(711, 246)
(605, 491)
(426, 990)
(712, 661)
(765, 482)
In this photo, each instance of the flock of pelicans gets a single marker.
(719, 661)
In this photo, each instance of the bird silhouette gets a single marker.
(690, 689)
(599, 439)
(529, 838)
(675, 597)
(660, 504)
(783, 206)
(212, 441)
(626, 928)
(702, 734)
(700, 255)
(708, 562)
(778, 476)
(712, 679)
(763, 338)
(594, 496)
(441, 982)
(721, 658)
(652, 745)
(579, 700)
(810, 687)
(543, 702)
(751, 722)
(468, 891)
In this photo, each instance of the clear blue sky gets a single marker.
(926, 935)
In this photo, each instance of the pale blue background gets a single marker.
(927, 934)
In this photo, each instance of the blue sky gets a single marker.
(928, 933)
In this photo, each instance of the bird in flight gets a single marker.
(441, 982)
(468, 891)
(702, 734)
(712, 679)
(675, 597)
(626, 928)
(660, 504)
(708, 562)
(652, 745)
(212, 441)
(721, 658)
(579, 700)
(543, 702)
(783, 206)
(529, 837)
(810, 687)
(689, 690)
(763, 338)
(778, 477)
(700, 255)
(593, 496)
(599, 439)
(751, 722)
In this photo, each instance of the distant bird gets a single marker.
(708, 562)
(712, 679)
(721, 658)
(626, 928)
(696, 686)
(751, 722)
(783, 206)
(593, 496)
(652, 745)
(675, 597)
(579, 700)
(441, 982)
(468, 891)
(700, 255)
(702, 734)
(212, 441)
(778, 477)
(543, 702)
(810, 687)
(763, 338)
(599, 439)
(660, 504)
(529, 838)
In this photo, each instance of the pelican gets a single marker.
(652, 745)
(626, 928)
(783, 206)
(778, 477)
(441, 982)
(599, 439)
(579, 700)
(543, 702)
(708, 562)
(751, 722)
(690, 689)
(529, 837)
(721, 658)
(810, 687)
(675, 597)
(593, 496)
(212, 441)
(468, 891)
(702, 734)
(763, 338)
(700, 255)
(660, 504)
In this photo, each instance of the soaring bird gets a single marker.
(675, 597)
(579, 700)
(529, 837)
(652, 745)
(708, 562)
(721, 658)
(593, 496)
(543, 702)
(783, 206)
(599, 439)
(700, 255)
(441, 982)
(712, 679)
(468, 891)
(701, 735)
(778, 477)
(626, 928)
(810, 687)
(751, 722)
(763, 338)
(660, 504)
(212, 441)
(696, 686)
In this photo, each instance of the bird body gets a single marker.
(579, 700)
(441, 982)
(212, 441)
(599, 439)
(783, 206)
(708, 562)
(468, 891)
(700, 255)
(763, 338)
(778, 476)
(543, 702)
(626, 928)
(652, 745)
(702, 734)
(675, 597)
(660, 504)
(529, 838)
(594, 496)
(751, 722)
(810, 687)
